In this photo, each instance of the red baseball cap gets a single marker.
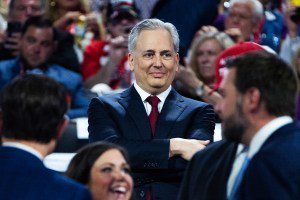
(233, 51)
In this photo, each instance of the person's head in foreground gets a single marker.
(104, 168)
(32, 111)
(258, 87)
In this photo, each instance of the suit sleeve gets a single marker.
(203, 125)
(144, 154)
(187, 182)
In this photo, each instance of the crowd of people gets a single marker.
(153, 78)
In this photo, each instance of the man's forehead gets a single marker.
(228, 77)
(151, 40)
(27, 2)
(42, 32)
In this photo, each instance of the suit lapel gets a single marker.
(172, 109)
(133, 105)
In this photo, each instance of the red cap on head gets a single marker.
(235, 50)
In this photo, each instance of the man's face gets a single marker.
(154, 60)
(230, 109)
(23, 9)
(241, 17)
(37, 46)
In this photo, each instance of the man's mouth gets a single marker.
(157, 74)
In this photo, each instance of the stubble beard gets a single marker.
(235, 125)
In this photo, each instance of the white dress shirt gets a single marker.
(256, 143)
(144, 95)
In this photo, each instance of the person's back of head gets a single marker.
(33, 108)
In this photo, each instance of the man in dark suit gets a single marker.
(176, 128)
(32, 119)
(260, 157)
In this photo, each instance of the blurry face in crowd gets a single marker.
(23, 9)
(69, 5)
(154, 60)
(110, 178)
(37, 45)
(207, 53)
(230, 109)
(241, 17)
(121, 27)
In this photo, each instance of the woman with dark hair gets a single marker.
(104, 168)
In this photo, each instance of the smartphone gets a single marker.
(296, 17)
(13, 27)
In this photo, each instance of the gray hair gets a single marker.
(152, 24)
(257, 7)
(12, 3)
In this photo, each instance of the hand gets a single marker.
(71, 16)
(206, 29)
(12, 43)
(235, 34)
(186, 148)
(188, 78)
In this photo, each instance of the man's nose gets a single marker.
(36, 48)
(158, 61)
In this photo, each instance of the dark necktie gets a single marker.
(153, 100)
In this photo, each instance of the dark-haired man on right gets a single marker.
(259, 158)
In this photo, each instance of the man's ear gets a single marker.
(177, 61)
(62, 126)
(130, 61)
(252, 99)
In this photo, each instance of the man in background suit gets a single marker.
(33, 108)
(260, 157)
(158, 150)
(37, 43)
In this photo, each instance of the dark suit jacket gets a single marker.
(121, 118)
(208, 172)
(24, 177)
(274, 172)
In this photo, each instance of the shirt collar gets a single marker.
(265, 132)
(144, 95)
(24, 148)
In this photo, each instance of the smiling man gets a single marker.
(37, 43)
(160, 128)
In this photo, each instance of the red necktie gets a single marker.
(153, 100)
